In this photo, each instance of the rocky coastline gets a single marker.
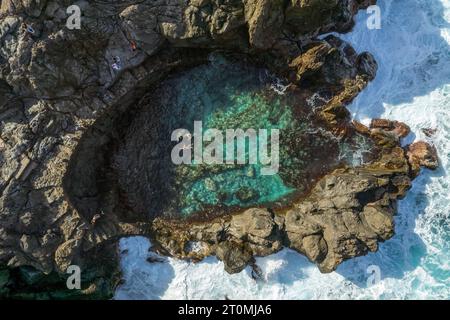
(65, 103)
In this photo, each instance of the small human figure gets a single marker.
(30, 29)
(116, 66)
(133, 45)
(96, 217)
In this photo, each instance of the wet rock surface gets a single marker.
(65, 95)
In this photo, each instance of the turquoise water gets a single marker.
(225, 94)
(235, 185)
(239, 188)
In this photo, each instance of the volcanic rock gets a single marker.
(66, 94)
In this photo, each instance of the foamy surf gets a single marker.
(413, 86)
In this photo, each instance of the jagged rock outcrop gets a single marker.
(62, 91)
(421, 154)
(321, 16)
(398, 128)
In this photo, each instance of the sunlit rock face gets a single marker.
(226, 93)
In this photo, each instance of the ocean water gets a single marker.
(412, 85)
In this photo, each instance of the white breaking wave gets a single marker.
(412, 85)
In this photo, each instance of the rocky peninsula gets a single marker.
(84, 114)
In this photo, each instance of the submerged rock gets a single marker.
(246, 194)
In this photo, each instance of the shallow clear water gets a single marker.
(228, 95)
(233, 185)
(412, 85)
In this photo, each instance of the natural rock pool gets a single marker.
(227, 93)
